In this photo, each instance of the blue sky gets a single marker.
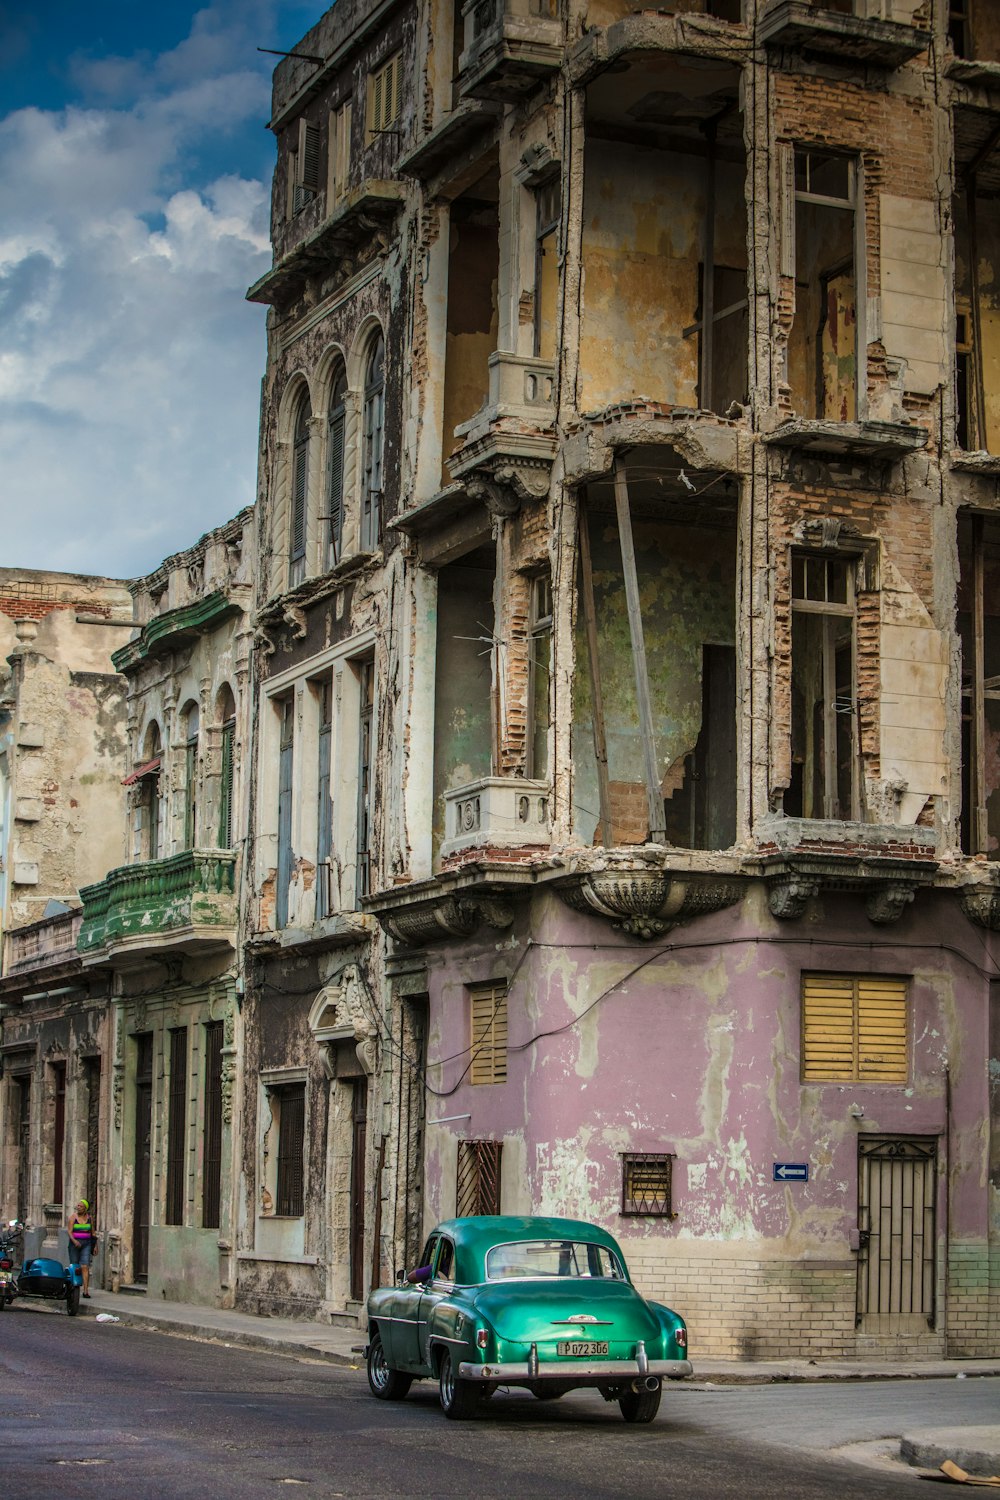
(134, 200)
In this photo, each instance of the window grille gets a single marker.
(488, 1006)
(478, 1178)
(177, 1126)
(211, 1196)
(647, 1184)
(854, 1029)
(290, 1195)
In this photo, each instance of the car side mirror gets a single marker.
(400, 1275)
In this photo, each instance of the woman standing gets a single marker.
(81, 1241)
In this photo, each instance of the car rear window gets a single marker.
(552, 1258)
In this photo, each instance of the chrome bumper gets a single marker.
(571, 1370)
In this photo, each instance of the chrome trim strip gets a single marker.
(618, 1369)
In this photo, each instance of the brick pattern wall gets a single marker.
(973, 1299)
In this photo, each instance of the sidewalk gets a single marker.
(343, 1345)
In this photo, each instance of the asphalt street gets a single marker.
(115, 1412)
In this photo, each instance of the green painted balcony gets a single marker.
(185, 904)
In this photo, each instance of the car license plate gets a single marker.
(581, 1350)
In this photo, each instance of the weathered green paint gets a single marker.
(170, 630)
(191, 889)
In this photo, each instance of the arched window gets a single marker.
(300, 488)
(150, 804)
(190, 775)
(337, 431)
(226, 712)
(374, 438)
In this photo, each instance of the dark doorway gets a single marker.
(93, 1076)
(359, 1113)
(58, 1130)
(143, 1124)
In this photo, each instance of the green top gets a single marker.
(474, 1237)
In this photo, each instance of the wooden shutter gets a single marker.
(211, 1193)
(309, 156)
(854, 1029)
(291, 1145)
(177, 1126)
(300, 468)
(226, 785)
(489, 1034)
(882, 1050)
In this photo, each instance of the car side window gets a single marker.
(427, 1254)
(446, 1262)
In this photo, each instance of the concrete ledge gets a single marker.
(975, 1449)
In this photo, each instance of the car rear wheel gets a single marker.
(640, 1406)
(541, 1394)
(459, 1398)
(383, 1381)
(73, 1301)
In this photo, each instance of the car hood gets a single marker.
(532, 1311)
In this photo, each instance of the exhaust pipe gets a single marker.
(651, 1383)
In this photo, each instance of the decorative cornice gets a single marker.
(169, 630)
(648, 903)
(448, 916)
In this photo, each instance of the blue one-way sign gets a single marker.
(791, 1171)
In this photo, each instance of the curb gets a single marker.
(239, 1339)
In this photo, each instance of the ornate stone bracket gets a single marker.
(981, 904)
(648, 903)
(888, 902)
(296, 618)
(887, 886)
(451, 916)
(789, 898)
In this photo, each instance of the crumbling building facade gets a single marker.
(627, 619)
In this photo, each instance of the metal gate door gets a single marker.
(896, 1222)
(143, 1130)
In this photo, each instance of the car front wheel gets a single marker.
(459, 1398)
(640, 1406)
(383, 1381)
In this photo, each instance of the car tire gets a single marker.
(544, 1395)
(640, 1406)
(383, 1381)
(73, 1301)
(460, 1399)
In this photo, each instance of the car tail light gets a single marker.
(6, 1265)
(681, 1337)
(482, 1338)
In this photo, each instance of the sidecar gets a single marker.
(52, 1280)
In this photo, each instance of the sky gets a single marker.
(134, 199)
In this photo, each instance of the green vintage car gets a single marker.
(542, 1303)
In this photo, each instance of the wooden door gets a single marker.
(358, 1145)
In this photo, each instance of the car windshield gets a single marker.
(552, 1258)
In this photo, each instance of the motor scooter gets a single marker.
(41, 1277)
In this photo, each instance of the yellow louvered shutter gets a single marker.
(489, 1034)
(882, 1053)
(827, 1027)
(854, 1029)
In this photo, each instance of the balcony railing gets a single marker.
(50, 941)
(185, 902)
(497, 813)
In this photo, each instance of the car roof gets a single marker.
(477, 1235)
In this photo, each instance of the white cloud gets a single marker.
(129, 361)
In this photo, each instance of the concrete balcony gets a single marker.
(497, 813)
(511, 439)
(40, 945)
(185, 904)
(795, 25)
(510, 46)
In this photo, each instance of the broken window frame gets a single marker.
(975, 817)
(299, 491)
(647, 1184)
(548, 214)
(285, 708)
(366, 775)
(338, 153)
(373, 428)
(536, 747)
(830, 610)
(324, 802)
(854, 200)
(959, 28)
